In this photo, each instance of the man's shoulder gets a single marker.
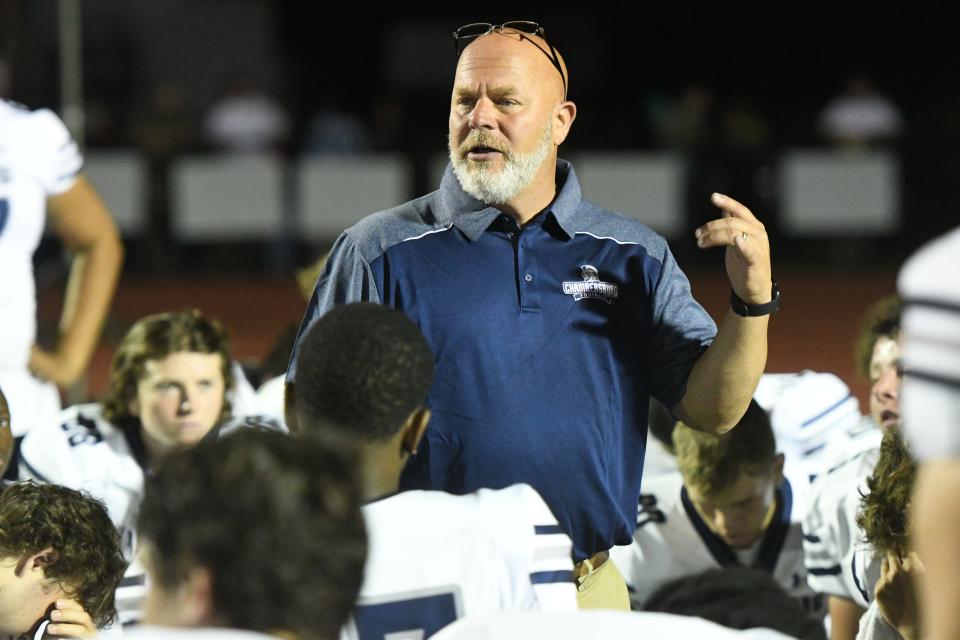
(603, 224)
(378, 232)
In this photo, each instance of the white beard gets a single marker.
(494, 187)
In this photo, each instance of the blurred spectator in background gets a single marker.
(41, 179)
(246, 119)
(744, 127)
(164, 125)
(860, 116)
(333, 130)
(684, 121)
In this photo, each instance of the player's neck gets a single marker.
(380, 471)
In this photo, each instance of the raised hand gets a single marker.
(748, 249)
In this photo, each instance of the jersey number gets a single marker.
(4, 214)
(82, 431)
(406, 618)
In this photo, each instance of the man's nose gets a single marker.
(483, 115)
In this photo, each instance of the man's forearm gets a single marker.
(725, 377)
(93, 278)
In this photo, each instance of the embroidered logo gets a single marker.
(591, 287)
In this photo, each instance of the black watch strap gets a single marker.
(741, 308)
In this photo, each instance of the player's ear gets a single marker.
(778, 469)
(414, 429)
(38, 561)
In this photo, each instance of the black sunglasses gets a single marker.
(470, 32)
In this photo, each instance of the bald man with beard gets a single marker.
(552, 320)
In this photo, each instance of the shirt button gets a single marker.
(528, 278)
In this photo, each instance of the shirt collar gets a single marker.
(472, 217)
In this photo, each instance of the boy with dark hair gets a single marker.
(59, 559)
(737, 598)
(363, 377)
(254, 532)
(730, 507)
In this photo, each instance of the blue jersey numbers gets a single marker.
(407, 616)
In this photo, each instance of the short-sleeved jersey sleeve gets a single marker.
(545, 561)
(57, 160)
(838, 560)
(930, 332)
(346, 278)
(682, 331)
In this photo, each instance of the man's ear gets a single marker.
(414, 429)
(778, 469)
(563, 116)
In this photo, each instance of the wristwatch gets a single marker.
(745, 310)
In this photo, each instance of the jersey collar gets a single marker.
(772, 541)
(472, 217)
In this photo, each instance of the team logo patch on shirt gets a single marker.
(591, 287)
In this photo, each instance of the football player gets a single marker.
(931, 407)
(60, 563)
(363, 377)
(168, 389)
(252, 535)
(40, 178)
(840, 564)
(730, 507)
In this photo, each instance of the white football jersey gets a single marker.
(930, 398)
(838, 559)
(672, 540)
(38, 159)
(591, 625)
(435, 558)
(817, 424)
(85, 451)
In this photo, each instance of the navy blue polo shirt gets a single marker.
(549, 341)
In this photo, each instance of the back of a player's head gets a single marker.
(737, 598)
(883, 515)
(882, 320)
(271, 523)
(154, 338)
(363, 369)
(714, 463)
(86, 559)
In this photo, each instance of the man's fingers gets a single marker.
(726, 232)
(733, 207)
